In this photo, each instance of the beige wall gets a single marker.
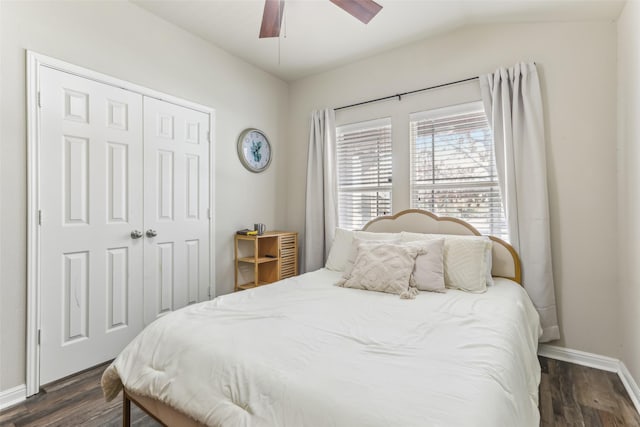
(578, 72)
(123, 40)
(629, 183)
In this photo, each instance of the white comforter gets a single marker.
(303, 352)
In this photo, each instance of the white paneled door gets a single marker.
(90, 187)
(124, 232)
(176, 200)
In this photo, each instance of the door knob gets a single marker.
(151, 233)
(136, 234)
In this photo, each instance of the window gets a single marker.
(364, 172)
(453, 170)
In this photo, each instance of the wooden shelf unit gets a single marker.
(274, 257)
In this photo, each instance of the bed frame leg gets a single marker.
(126, 410)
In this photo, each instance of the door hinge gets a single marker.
(38, 336)
(39, 217)
(209, 213)
(209, 136)
(39, 100)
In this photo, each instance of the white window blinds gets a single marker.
(364, 172)
(453, 170)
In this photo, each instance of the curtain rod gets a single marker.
(400, 95)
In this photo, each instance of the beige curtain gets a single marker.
(513, 104)
(321, 197)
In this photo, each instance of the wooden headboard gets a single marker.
(506, 262)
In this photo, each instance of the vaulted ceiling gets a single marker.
(317, 36)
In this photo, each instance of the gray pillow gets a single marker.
(428, 272)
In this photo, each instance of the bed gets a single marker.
(304, 352)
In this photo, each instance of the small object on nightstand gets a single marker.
(247, 232)
(260, 228)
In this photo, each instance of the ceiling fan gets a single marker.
(363, 10)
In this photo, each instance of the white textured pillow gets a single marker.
(465, 263)
(428, 272)
(382, 267)
(340, 249)
(467, 259)
(359, 237)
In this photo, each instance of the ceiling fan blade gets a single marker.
(271, 18)
(364, 10)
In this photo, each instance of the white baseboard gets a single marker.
(12, 396)
(597, 361)
(578, 357)
(630, 384)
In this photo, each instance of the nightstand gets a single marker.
(273, 256)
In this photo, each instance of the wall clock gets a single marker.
(254, 150)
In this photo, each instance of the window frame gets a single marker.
(382, 188)
(496, 227)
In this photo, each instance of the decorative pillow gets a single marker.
(382, 267)
(465, 263)
(359, 237)
(467, 260)
(368, 235)
(340, 249)
(428, 272)
(489, 261)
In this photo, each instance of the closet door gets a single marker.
(176, 200)
(91, 202)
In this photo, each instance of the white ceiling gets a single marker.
(317, 35)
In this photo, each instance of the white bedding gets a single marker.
(303, 352)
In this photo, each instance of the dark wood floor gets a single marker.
(573, 395)
(73, 401)
(570, 395)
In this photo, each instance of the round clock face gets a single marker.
(254, 150)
